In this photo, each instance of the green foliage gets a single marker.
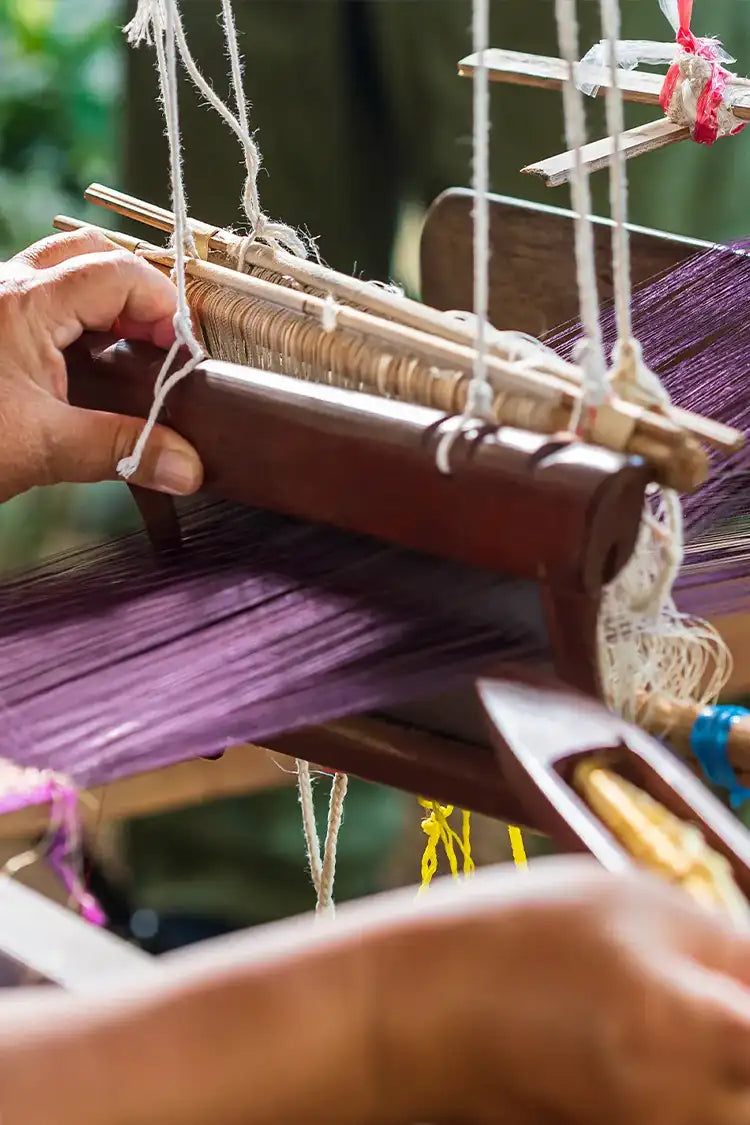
(60, 77)
(61, 80)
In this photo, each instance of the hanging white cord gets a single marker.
(591, 353)
(479, 395)
(274, 234)
(161, 13)
(322, 870)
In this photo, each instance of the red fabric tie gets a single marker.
(706, 130)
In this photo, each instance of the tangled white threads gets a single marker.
(275, 235)
(322, 870)
(645, 643)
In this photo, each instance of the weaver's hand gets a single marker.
(49, 295)
(596, 1000)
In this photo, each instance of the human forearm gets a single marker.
(301, 1018)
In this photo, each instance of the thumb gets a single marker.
(87, 445)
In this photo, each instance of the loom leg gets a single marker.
(160, 518)
(572, 619)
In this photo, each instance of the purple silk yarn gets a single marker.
(694, 327)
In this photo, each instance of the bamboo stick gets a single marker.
(557, 170)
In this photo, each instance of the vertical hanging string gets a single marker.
(309, 827)
(322, 870)
(339, 786)
(183, 243)
(618, 176)
(591, 352)
(276, 235)
(479, 395)
(438, 830)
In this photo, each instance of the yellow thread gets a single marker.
(438, 830)
(517, 848)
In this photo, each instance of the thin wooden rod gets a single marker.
(558, 170)
(518, 69)
(364, 295)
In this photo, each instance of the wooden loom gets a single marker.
(278, 442)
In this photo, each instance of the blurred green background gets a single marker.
(61, 86)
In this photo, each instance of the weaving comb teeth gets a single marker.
(551, 744)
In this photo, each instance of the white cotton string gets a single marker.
(276, 235)
(479, 401)
(618, 179)
(591, 353)
(479, 396)
(309, 827)
(322, 870)
(160, 16)
(339, 788)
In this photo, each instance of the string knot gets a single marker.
(329, 315)
(633, 379)
(480, 401)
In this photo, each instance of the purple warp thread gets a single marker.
(113, 661)
(694, 325)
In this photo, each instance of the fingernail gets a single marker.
(176, 472)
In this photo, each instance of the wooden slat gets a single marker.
(519, 69)
(557, 170)
(44, 941)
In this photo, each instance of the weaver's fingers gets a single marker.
(96, 290)
(86, 446)
(57, 248)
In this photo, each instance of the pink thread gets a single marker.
(66, 832)
(713, 95)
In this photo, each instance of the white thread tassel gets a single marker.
(149, 21)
